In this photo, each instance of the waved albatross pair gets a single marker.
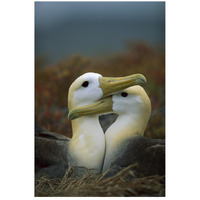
(55, 153)
(125, 143)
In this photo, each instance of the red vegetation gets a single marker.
(52, 84)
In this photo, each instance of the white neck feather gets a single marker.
(87, 147)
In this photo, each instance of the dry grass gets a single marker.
(122, 184)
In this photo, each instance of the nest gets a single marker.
(124, 183)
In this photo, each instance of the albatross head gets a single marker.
(91, 87)
(133, 100)
(84, 90)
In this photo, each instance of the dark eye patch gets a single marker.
(124, 94)
(85, 84)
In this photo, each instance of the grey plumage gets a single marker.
(50, 154)
(147, 153)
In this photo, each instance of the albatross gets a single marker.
(56, 153)
(125, 141)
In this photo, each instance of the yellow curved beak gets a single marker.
(111, 85)
(101, 106)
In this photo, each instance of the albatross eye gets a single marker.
(124, 94)
(85, 84)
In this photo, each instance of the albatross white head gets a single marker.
(84, 90)
(87, 146)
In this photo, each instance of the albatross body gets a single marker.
(87, 146)
(125, 141)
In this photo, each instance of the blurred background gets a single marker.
(110, 38)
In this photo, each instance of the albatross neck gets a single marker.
(125, 127)
(87, 145)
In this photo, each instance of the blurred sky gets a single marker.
(95, 28)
